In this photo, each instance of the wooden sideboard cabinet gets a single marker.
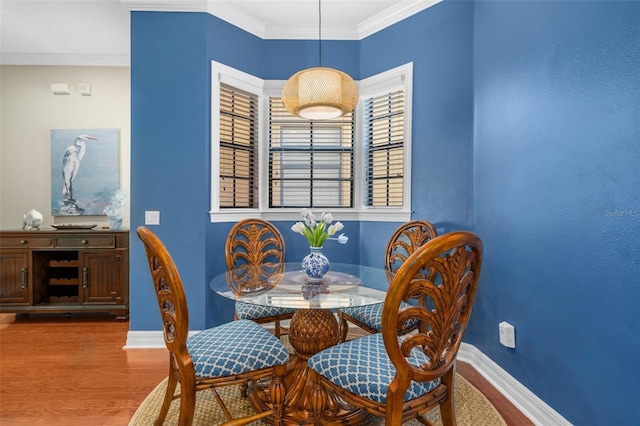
(65, 271)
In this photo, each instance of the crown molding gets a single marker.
(61, 59)
(166, 5)
(260, 29)
(225, 11)
(299, 32)
(235, 17)
(387, 18)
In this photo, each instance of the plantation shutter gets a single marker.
(238, 148)
(310, 162)
(384, 149)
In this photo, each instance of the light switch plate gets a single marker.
(84, 89)
(152, 217)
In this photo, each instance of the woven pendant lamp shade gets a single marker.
(320, 93)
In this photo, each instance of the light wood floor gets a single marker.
(74, 372)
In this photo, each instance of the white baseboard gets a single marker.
(146, 339)
(526, 401)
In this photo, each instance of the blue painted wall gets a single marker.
(526, 130)
(557, 154)
(286, 57)
(439, 43)
(170, 105)
(170, 152)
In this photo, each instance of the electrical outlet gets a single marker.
(507, 334)
(152, 217)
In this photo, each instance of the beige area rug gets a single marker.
(472, 408)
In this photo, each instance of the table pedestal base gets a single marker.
(311, 331)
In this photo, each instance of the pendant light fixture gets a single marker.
(320, 93)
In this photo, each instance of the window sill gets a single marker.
(377, 215)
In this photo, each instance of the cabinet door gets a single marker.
(14, 278)
(102, 277)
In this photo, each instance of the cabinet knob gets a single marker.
(85, 242)
(23, 241)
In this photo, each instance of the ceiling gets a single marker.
(96, 32)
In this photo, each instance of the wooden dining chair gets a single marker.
(401, 377)
(404, 241)
(229, 354)
(257, 242)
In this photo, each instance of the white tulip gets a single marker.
(308, 228)
(298, 227)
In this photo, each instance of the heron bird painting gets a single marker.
(84, 170)
(71, 163)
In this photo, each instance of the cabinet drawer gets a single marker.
(26, 242)
(85, 241)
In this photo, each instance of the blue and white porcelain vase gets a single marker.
(315, 265)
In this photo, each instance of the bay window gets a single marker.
(269, 163)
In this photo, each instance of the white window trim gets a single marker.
(220, 73)
(373, 86)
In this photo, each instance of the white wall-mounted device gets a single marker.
(507, 334)
(84, 89)
(60, 88)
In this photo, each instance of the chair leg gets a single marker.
(168, 395)
(447, 409)
(187, 400)
(393, 409)
(344, 327)
(244, 389)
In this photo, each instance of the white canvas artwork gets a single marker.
(84, 170)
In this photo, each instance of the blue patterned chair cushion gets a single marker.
(362, 366)
(234, 348)
(251, 311)
(371, 315)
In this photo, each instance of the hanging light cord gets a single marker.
(320, 32)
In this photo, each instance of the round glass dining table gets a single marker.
(313, 326)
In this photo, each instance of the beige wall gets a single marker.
(28, 112)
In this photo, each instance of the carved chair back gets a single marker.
(255, 249)
(254, 242)
(217, 351)
(404, 242)
(171, 298)
(454, 260)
